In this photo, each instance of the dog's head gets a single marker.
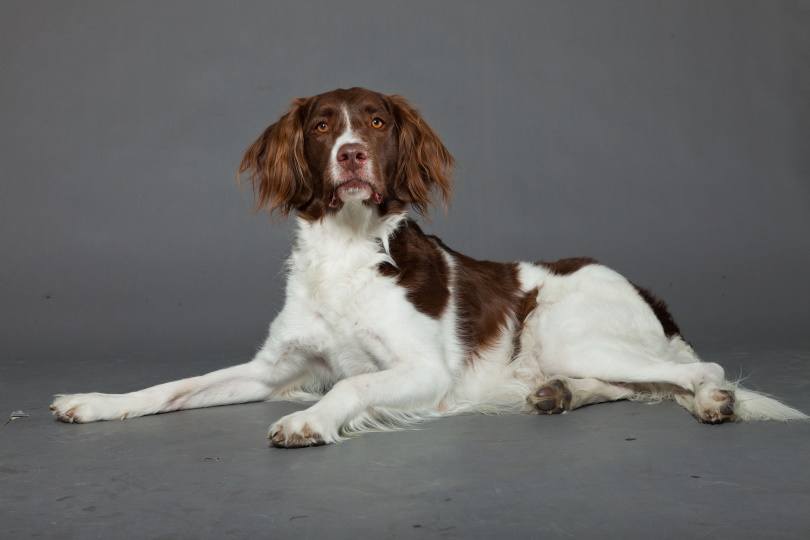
(347, 145)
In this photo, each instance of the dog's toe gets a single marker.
(301, 438)
(553, 397)
(719, 408)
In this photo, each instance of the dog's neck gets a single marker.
(354, 225)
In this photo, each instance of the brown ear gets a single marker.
(424, 162)
(276, 165)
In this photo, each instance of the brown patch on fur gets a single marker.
(420, 269)
(525, 306)
(661, 311)
(487, 295)
(563, 267)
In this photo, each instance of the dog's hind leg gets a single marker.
(702, 388)
(594, 324)
(608, 362)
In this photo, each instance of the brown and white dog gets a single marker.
(384, 325)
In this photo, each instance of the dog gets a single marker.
(384, 325)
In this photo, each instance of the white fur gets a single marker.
(351, 334)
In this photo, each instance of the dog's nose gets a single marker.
(352, 156)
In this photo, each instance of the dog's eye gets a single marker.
(377, 123)
(322, 127)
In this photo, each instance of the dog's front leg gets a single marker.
(405, 387)
(253, 381)
(283, 359)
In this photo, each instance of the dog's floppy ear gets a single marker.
(276, 165)
(423, 161)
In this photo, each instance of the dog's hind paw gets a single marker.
(715, 406)
(554, 397)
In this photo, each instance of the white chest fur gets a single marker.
(334, 281)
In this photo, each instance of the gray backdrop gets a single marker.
(668, 139)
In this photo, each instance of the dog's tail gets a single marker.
(750, 405)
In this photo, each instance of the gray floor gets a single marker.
(618, 470)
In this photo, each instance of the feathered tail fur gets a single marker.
(750, 405)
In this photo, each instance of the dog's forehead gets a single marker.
(353, 100)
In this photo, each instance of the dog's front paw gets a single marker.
(301, 429)
(82, 408)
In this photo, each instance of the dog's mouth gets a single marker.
(355, 189)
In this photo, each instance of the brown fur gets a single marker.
(525, 306)
(424, 162)
(487, 295)
(276, 163)
(661, 311)
(420, 269)
(563, 267)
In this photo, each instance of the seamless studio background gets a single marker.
(668, 139)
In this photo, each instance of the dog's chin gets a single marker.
(358, 192)
(355, 190)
